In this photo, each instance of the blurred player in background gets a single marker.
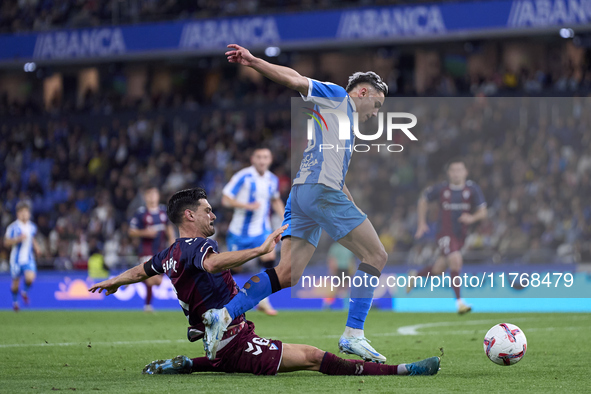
(461, 203)
(319, 200)
(151, 225)
(202, 280)
(341, 261)
(252, 192)
(20, 236)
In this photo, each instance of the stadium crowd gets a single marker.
(40, 15)
(83, 169)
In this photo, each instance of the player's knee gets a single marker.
(314, 356)
(379, 258)
(284, 275)
(455, 261)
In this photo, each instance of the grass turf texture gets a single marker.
(106, 351)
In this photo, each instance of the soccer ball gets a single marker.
(505, 344)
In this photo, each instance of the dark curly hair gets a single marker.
(181, 200)
(368, 77)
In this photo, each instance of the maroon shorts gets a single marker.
(450, 244)
(249, 353)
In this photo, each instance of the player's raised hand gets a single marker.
(466, 218)
(272, 240)
(422, 228)
(108, 285)
(239, 55)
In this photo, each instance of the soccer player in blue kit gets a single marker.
(319, 199)
(20, 237)
(252, 192)
(202, 280)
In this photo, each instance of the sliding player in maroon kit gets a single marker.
(461, 203)
(151, 225)
(202, 280)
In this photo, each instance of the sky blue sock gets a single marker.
(361, 298)
(250, 295)
(14, 296)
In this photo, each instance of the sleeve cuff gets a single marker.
(307, 97)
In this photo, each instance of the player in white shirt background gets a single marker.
(253, 192)
(20, 237)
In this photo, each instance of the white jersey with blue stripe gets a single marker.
(327, 166)
(22, 253)
(248, 186)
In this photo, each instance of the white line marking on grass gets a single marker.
(413, 330)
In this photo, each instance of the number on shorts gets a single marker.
(444, 243)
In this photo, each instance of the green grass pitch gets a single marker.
(106, 351)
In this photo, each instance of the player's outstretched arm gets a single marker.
(283, 75)
(218, 262)
(132, 275)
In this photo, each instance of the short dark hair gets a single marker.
(260, 147)
(181, 200)
(454, 161)
(367, 77)
(23, 204)
(150, 186)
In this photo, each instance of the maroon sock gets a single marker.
(456, 288)
(148, 295)
(424, 271)
(202, 364)
(333, 365)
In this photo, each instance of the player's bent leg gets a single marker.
(14, 285)
(267, 261)
(30, 276)
(151, 282)
(300, 357)
(455, 265)
(295, 255)
(364, 242)
(305, 357)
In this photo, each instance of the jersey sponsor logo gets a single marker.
(548, 12)
(85, 43)
(391, 22)
(217, 33)
(273, 347)
(455, 206)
